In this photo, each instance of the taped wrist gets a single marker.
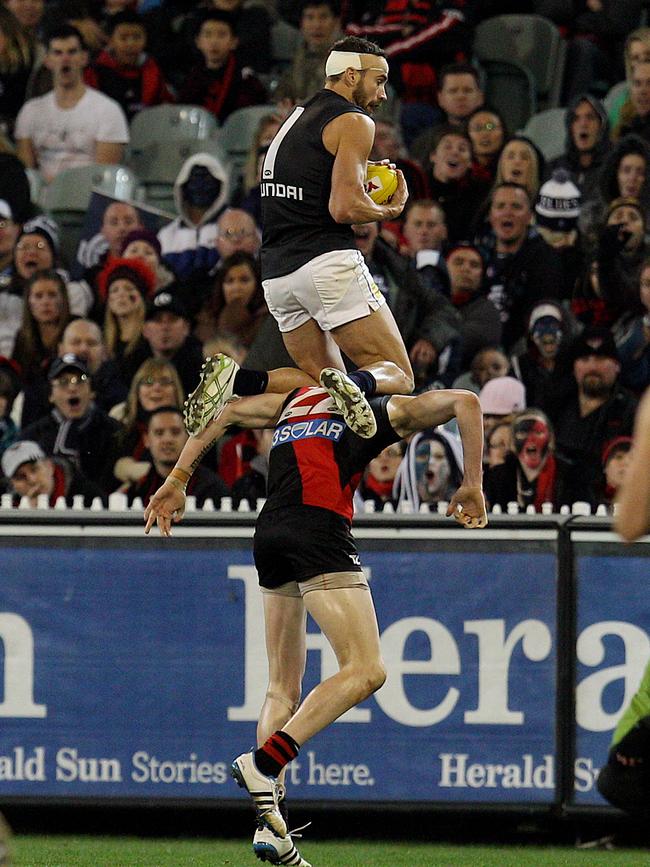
(179, 478)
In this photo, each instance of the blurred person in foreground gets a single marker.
(633, 514)
(625, 779)
(307, 562)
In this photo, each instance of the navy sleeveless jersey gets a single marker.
(295, 187)
(315, 458)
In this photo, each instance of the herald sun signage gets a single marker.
(138, 670)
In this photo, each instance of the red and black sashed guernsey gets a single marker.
(316, 460)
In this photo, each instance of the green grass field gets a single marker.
(82, 851)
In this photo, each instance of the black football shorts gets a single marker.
(298, 542)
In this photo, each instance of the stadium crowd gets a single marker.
(524, 280)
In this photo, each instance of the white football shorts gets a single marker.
(334, 288)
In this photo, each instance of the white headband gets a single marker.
(339, 61)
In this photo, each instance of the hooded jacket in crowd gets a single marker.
(405, 488)
(586, 179)
(188, 248)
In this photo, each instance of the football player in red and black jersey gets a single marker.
(307, 560)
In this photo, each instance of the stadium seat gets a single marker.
(67, 197)
(237, 134)
(285, 40)
(530, 40)
(547, 130)
(615, 94)
(171, 122)
(71, 189)
(510, 89)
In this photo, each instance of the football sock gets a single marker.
(365, 380)
(276, 752)
(250, 382)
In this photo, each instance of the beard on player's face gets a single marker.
(362, 98)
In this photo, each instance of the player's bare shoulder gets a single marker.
(350, 128)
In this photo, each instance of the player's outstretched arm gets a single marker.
(167, 505)
(633, 513)
(408, 415)
(350, 137)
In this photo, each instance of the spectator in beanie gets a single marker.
(616, 460)
(167, 330)
(124, 285)
(37, 249)
(556, 215)
(118, 219)
(500, 399)
(29, 473)
(144, 244)
(549, 330)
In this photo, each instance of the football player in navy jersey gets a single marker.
(307, 561)
(316, 283)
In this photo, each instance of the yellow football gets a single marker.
(381, 183)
